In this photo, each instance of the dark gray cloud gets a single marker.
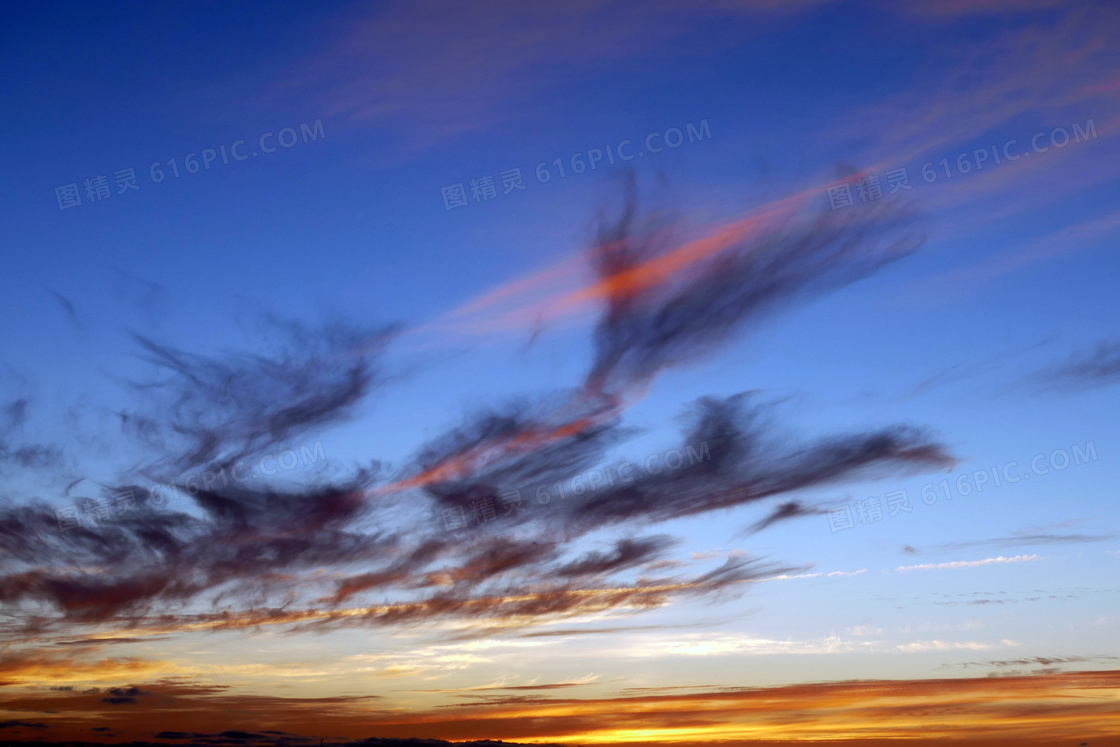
(647, 327)
(16, 451)
(240, 540)
(211, 410)
(16, 724)
(246, 541)
(530, 443)
(783, 512)
(1043, 661)
(254, 552)
(627, 553)
(752, 462)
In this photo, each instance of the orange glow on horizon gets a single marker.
(1057, 708)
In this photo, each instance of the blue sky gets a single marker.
(325, 292)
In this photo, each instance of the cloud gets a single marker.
(793, 576)
(241, 539)
(16, 451)
(627, 553)
(583, 682)
(938, 645)
(746, 463)
(218, 410)
(723, 645)
(783, 511)
(668, 302)
(751, 462)
(736, 455)
(521, 442)
(1068, 240)
(597, 631)
(648, 266)
(477, 611)
(1045, 661)
(969, 563)
(146, 299)
(43, 665)
(1044, 64)
(429, 72)
(726, 645)
(1018, 539)
(310, 555)
(245, 540)
(1001, 710)
(1094, 368)
(10, 724)
(953, 9)
(68, 307)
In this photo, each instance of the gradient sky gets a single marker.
(322, 320)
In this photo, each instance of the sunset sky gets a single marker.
(589, 372)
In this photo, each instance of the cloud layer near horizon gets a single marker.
(1024, 710)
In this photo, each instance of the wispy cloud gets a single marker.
(1087, 369)
(969, 563)
(1019, 539)
(939, 645)
(429, 72)
(1042, 661)
(312, 555)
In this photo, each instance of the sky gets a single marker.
(583, 373)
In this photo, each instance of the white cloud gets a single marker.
(968, 563)
(760, 646)
(719, 553)
(790, 577)
(786, 577)
(834, 644)
(938, 645)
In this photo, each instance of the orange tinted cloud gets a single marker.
(514, 610)
(1065, 708)
(475, 458)
(41, 665)
(519, 306)
(664, 267)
